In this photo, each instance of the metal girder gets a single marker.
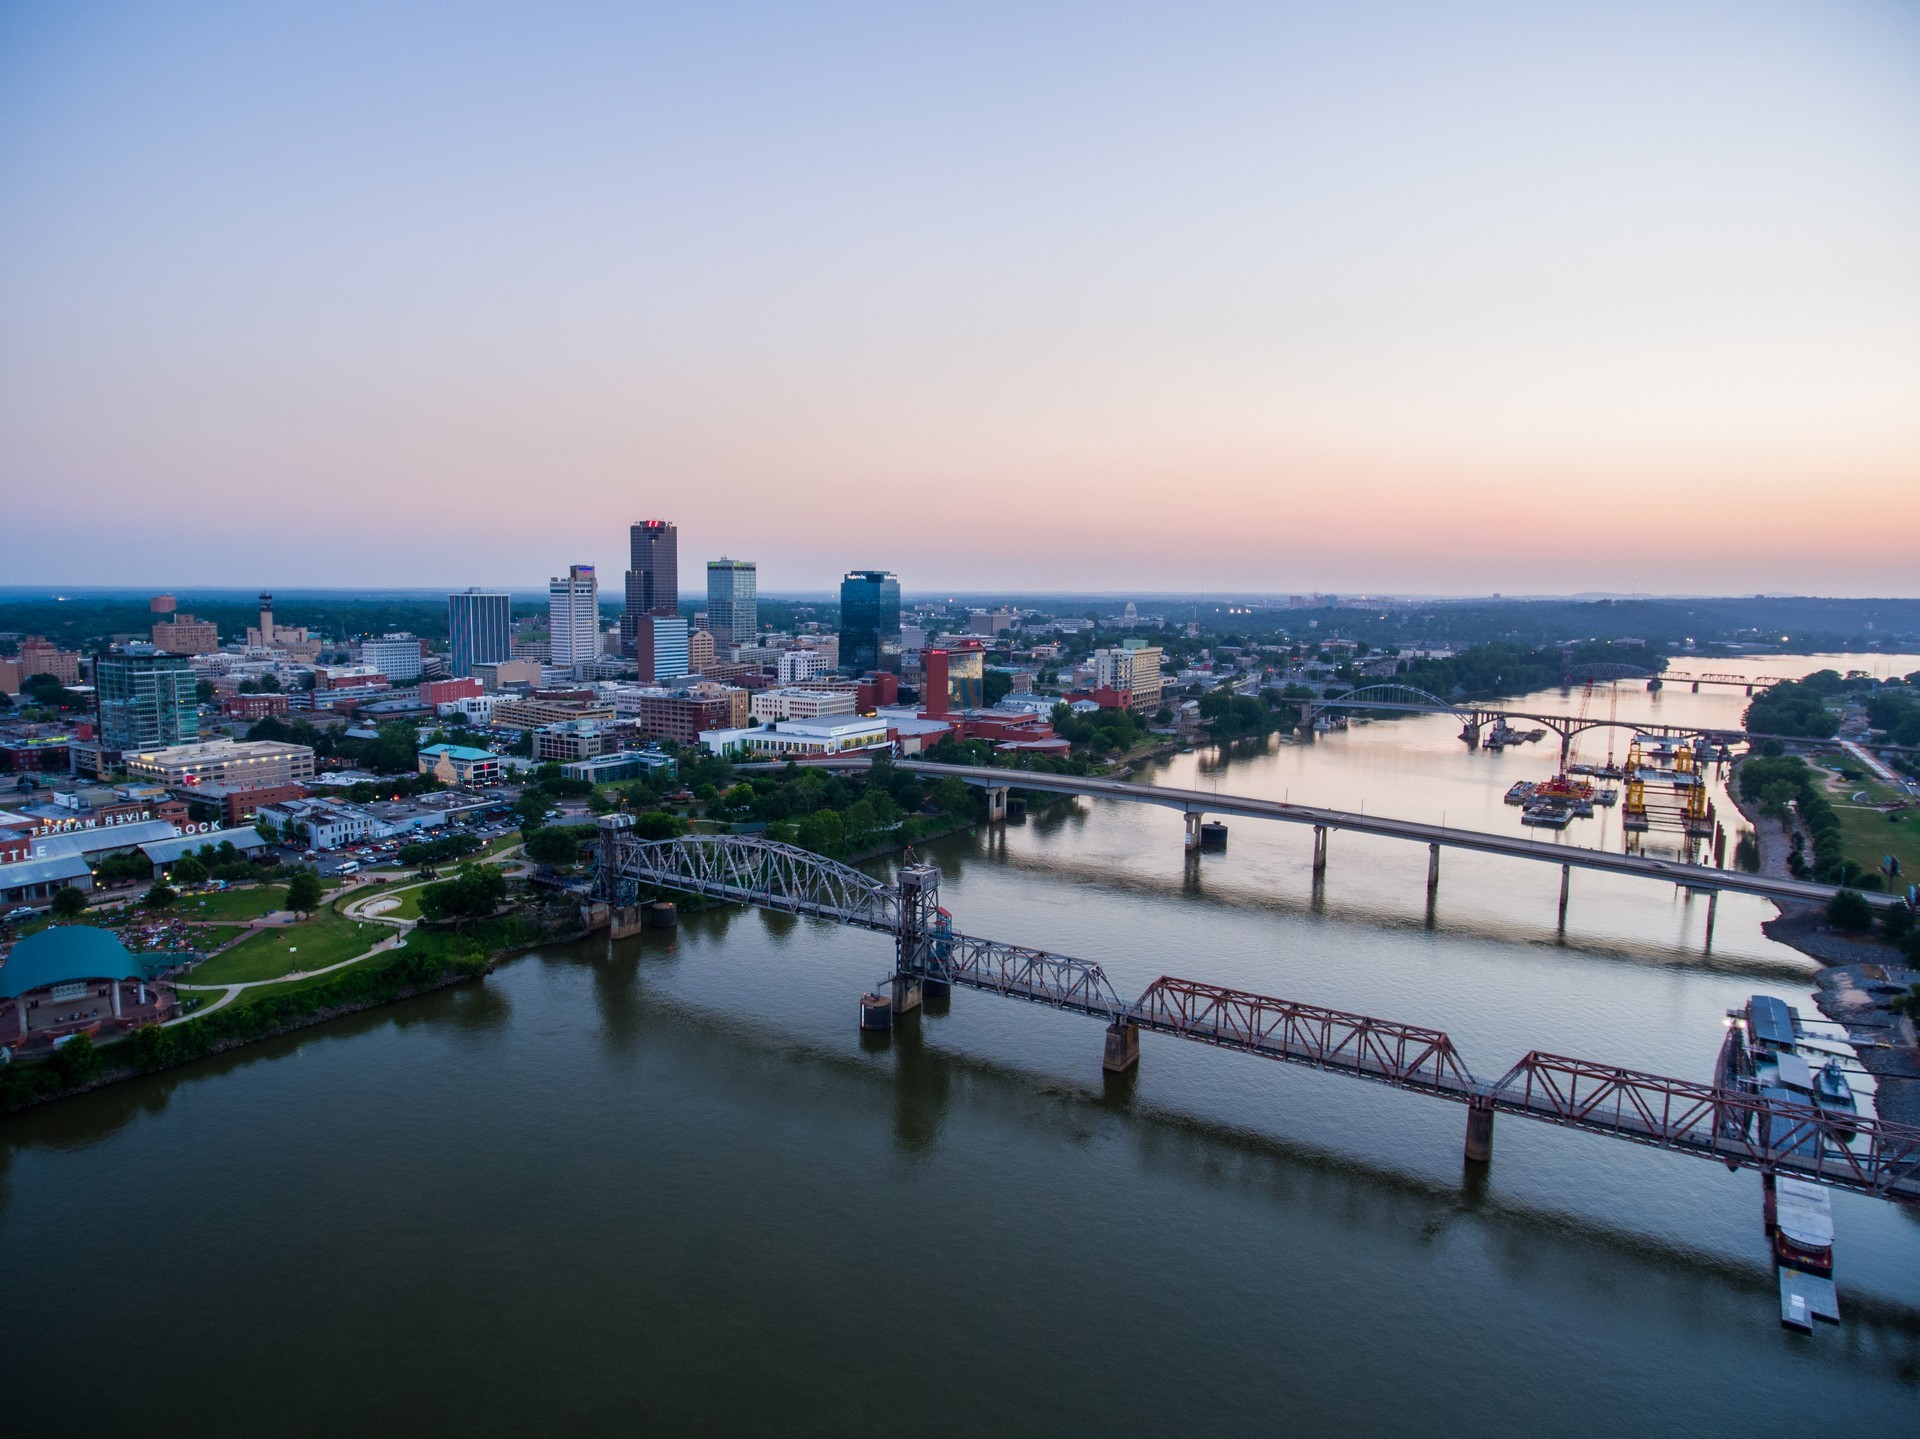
(750, 869)
(1400, 1054)
(1021, 973)
(1576, 674)
(1870, 1156)
(1389, 694)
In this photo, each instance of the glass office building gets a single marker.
(653, 578)
(870, 622)
(661, 648)
(146, 701)
(733, 605)
(479, 630)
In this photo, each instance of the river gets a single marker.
(662, 1183)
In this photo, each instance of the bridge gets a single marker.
(1730, 1125)
(1196, 804)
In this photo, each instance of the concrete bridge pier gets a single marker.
(1433, 869)
(1123, 1047)
(1319, 849)
(1713, 910)
(997, 804)
(906, 993)
(1480, 1129)
(1194, 821)
(1566, 883)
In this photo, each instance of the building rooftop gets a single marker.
(464, 753)
(66, 952)
(166, 851)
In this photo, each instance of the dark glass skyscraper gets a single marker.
(479, 629)
(146, 701)
(870, 621)
(653, 578)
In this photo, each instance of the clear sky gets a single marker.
(1439, 298)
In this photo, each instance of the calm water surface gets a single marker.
(661, 1183)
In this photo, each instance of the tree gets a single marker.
(1848, 910)
(658, 824)
(188, 870)
(1896, 920)
(303, 891)
(474, 893)
(823, 831)
(69, 903)
(554, 847)
(159, 897)
(950, 795)
(531, 809)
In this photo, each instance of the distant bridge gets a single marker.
(1736, 1128)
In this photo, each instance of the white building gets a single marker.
(573, 617)
(796, 738)
(395, 656)
(799, 666)
(326, 824)
(789, 704)
(1133, 668)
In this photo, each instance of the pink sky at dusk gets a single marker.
(1256, 298)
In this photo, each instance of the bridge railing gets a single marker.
(1022, 973)
(750, 869)
(1870, 1156)
(1406, 1055)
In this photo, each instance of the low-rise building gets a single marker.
(682, 715)
(235, 763)
(76, 979)
(184, 635)
(796, 738)
(254, 706)
(572, 740)
(460, 764)
(325, 824)
(623, 765)
(795, 703)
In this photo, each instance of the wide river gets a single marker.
(661, 1184)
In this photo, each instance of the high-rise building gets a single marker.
(573, 616)
(1134, 668)
(956, 680)
(661, 648)
(733, 604)
(700, 656)
(182, 634)
(479, 629)
(653, 578)
(870, 621)
(397, 656)
(146, 701)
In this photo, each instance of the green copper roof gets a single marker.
(66, 952)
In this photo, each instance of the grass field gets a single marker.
(1868, 834)
(325, 939)
(233, 903)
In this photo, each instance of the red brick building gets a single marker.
(254, 706)
(445, 692)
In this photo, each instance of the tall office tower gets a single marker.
(733, 603)
(146, 701)
(573, 616)
(700, 656)
(870, 622)
(956, 680)
(479, 629)
(397, 656)
(662, 648)
(653, 578)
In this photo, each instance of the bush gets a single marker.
(69, 903)
(188, 870)
(556, 847)
(1896, 921)
(1849, 911)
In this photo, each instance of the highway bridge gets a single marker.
(1196, 804)
(1730, 1125)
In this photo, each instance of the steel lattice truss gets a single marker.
(1870, 1156)
(1390, 695)
(1021, 973)
(1400, 1054)
(750, 870)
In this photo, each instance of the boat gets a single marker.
(1519, 791)
(1801, 1218)
(1546, 816)
(1606, 795)
(1833, 1094)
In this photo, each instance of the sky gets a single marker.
(1259, 298)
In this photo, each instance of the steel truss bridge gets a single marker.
(1738, 1129)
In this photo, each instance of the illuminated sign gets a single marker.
(104, 820)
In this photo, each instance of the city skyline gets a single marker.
(1594, 300)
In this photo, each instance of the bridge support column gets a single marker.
(1319, 849)
(1479, 1130)
(997, 805)
(1713, 909)
(906, 993)
(1194, 821)
(1433, 869)
(1566, 883)
(1123, 1048)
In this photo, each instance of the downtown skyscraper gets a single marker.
(653, 578)
(733, 603)
(573, 616)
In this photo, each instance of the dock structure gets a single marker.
(1717, 1121)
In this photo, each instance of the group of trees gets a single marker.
(1788, 789)
(1106, 732)
(1894, 710)
(439, 849)
(474, 893)
(1488, 670)
(394, 750)
(1796, 708)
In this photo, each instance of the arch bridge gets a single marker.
(1731, 1126)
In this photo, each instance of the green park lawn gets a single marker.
(1868, 834)
(325, 939)
(243, 904)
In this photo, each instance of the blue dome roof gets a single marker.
(66, 952)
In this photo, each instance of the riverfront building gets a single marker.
(870, 621)
(237, 764)
(479, 629)
(955, 680)
(146, 701)
(76, 979)
(733, 603)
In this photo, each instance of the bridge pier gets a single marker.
(997, 804)
(1480, 1129)
(1194, 822)
(1713, 909)
(1433, 869)
(906, 993)
(1566, 883)
(1123, 1048)
(1319, 849)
